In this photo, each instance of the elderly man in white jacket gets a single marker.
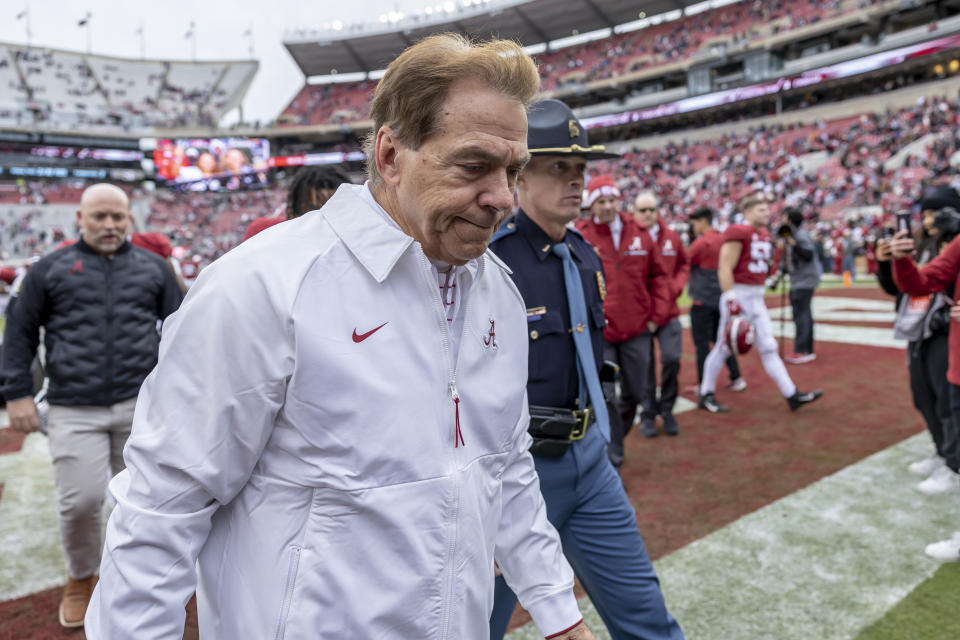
(334, 441)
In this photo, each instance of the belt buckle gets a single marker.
(583, 419)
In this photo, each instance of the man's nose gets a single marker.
(498, 193)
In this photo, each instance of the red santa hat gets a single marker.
(600, 186)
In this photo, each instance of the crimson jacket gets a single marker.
(675, 264)
(638, 287)
(937, 275)
(704, 258)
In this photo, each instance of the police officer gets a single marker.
(560, 277)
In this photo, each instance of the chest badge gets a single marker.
(490, 341)
(602, 286)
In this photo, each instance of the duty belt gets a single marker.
(554, 429)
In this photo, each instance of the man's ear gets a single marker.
(387, 155)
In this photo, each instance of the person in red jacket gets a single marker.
(704, 255)
(670, 333)
(940, 274)
(636, 302)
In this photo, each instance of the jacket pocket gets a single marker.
(292, 569)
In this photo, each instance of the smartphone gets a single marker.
(888, 232)
(903, 221)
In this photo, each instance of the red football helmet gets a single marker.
(740, 335)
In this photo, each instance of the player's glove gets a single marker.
(729, 298)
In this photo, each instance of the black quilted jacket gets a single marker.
(100, 317)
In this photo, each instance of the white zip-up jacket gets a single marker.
(297, 449)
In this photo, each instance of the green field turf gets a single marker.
(929, 612)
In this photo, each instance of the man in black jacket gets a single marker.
(99, 302)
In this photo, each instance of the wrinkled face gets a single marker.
(104, 219)
(551, 188)
(645, 210)
(758, 215)
(605, 208)
(454, 191)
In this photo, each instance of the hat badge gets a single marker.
(574, 128)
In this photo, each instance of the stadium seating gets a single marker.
(732, 26)
(66, 91)
(210, 224)
(853, 174)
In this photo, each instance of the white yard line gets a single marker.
(823, 563)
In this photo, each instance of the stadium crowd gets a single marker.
(731, 27)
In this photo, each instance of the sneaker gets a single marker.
(73, 604)
(926, 466)
(943, 480)
(737, 385)
(709, 402)
(670, 426)
(648, 429)
(801, 398)
(945, 550)
(800, 358)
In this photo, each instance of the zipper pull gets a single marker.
(457, 434)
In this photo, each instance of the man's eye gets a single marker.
(473, 168)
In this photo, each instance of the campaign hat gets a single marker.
(553, 129)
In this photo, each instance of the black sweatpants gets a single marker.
(927, 363)
(633, 357)
(704, 324)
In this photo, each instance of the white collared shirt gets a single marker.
(616, 230)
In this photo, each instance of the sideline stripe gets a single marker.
(824, 562)
(31, 562)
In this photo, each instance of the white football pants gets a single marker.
(751, 301)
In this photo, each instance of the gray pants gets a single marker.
(670, 337)
(633, 357)
(86, 444)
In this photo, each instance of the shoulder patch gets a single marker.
(505, 229)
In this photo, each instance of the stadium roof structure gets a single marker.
(54, 89)
(529, 22)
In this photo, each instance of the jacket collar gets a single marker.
(86, 248)
(373, 240)
(539, 241)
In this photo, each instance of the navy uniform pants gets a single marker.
(597, 525)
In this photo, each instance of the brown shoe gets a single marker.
(76, 597)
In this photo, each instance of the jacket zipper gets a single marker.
(453, 367)
(110, 372)
(292, 570)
